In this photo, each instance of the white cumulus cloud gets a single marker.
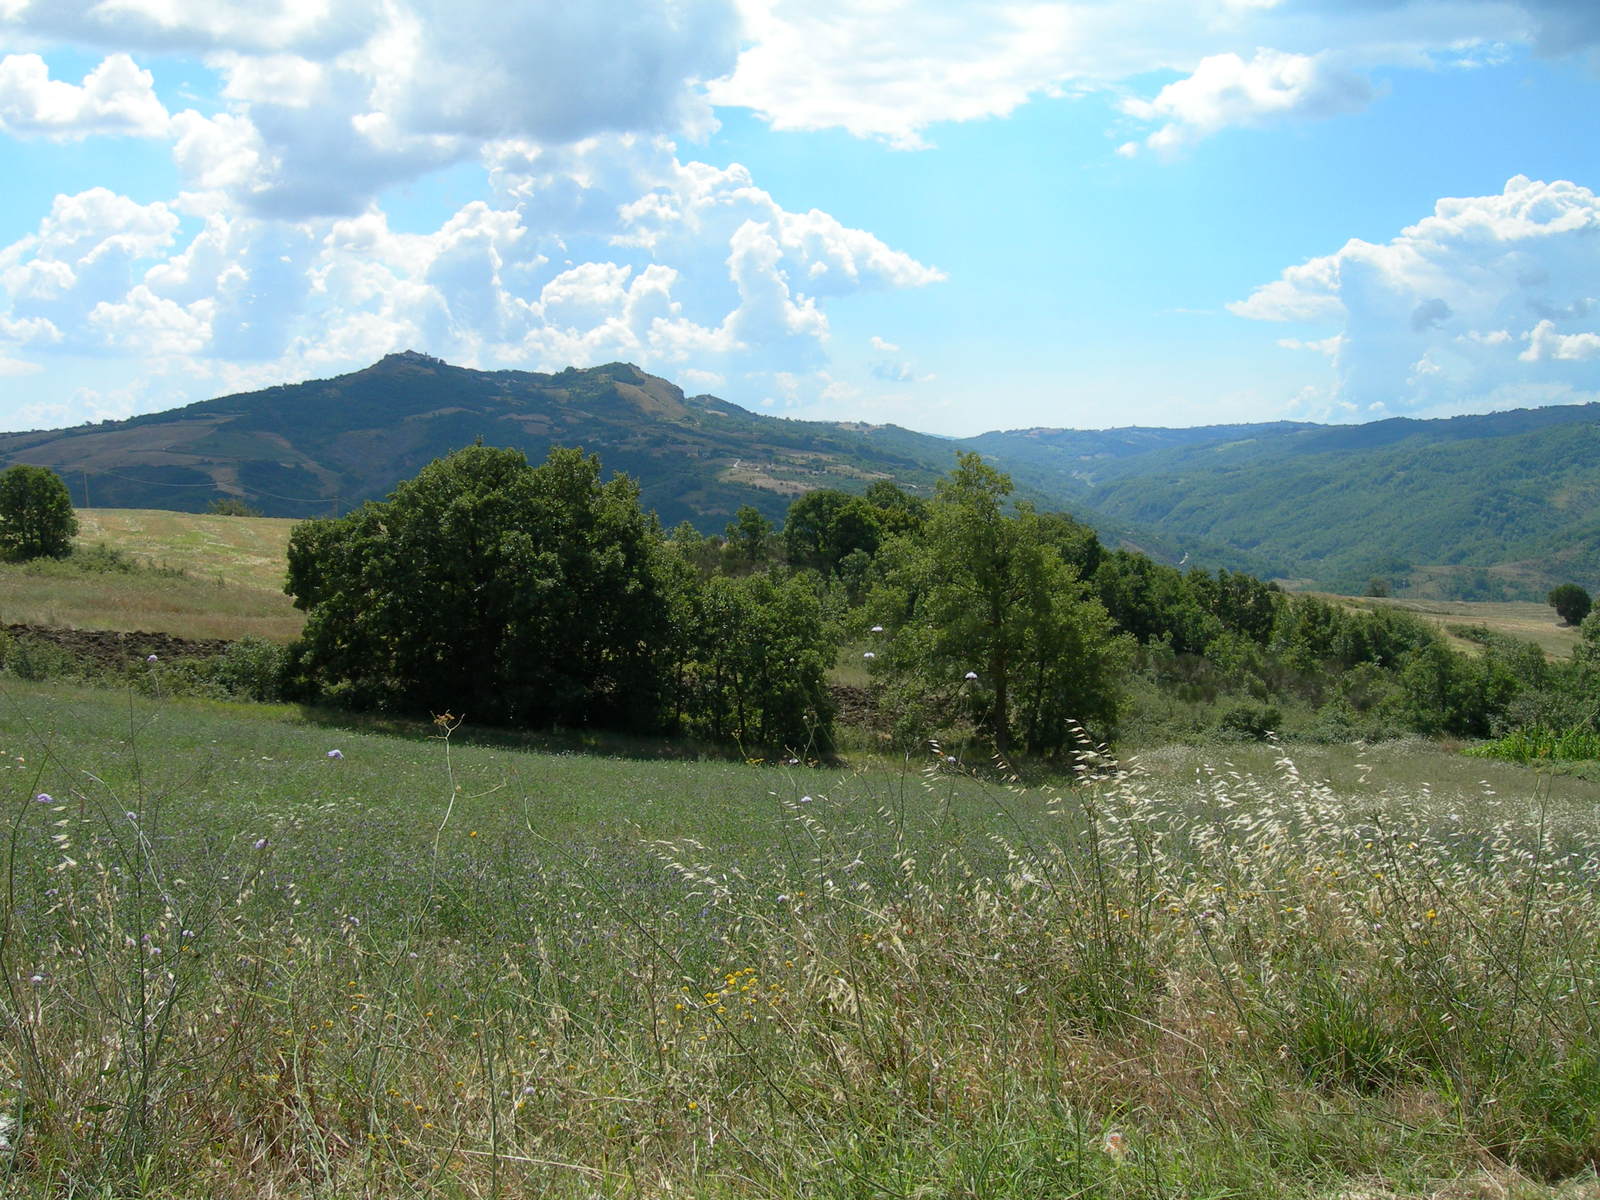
(117, 97)
(1488, 300)
(1228, 91)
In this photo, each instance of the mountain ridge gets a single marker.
(1484, 506)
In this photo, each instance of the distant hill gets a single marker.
(1497, 506)
(311, 449)
(1484, 507)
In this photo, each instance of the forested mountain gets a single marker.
(1480, 507)
(314, 448)
(1489, 506)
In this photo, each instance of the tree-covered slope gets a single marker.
(1496, 506)
(323, 446)
(1501, 504)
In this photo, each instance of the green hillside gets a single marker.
(314, 448)
(1481, 507)
(1495, 507)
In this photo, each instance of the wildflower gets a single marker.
(805, 799)
(869, 654)
(132, 816)
(152, 659)
(1431, 915)
(335, 753)
(972, 676)
(45, 798)
(877, 629)
(1115, 1145)
(260, 844)
(36, 979)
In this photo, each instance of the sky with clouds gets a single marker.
(955, 215)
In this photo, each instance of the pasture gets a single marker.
(194, 575)
(1524, 620)
(238, 964)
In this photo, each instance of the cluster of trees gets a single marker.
(546, 596)
(542, 595)
(1571, 602)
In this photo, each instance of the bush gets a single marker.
(1249, 721)
(253, 669)
(231, 506)
(35, 659)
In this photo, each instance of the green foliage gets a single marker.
(981, 592)
(36, 659)
(758, 660)
(36, 517)
(1449, 693)
(512, 593)
(1577, 744)
(1249, 721)
(749, 538)
(541, 596)
(232, 506)
(824, 527)
(898, 511)
(1154, 601)
(253, 669)
(1571, 602)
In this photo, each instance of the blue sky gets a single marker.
(955, 217)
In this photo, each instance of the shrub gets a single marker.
(253, 669)
(1250, 721)
(35, 659)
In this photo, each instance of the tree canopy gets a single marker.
(982, 602)
(518, 594)
(1571, 602)
(36, 516)
(542, 596)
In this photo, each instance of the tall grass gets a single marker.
(1578, 744)
(97, 588)
(1233, 983)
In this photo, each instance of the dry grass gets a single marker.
(208, 577)
(249, 552)
(1524, 620)
(147, 603)
(1201, 982)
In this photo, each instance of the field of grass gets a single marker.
(204, 577)
(237, 964)
(1524, 620)
(249, 552)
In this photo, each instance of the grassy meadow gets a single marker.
(238, 964)
(1524, 620)
(199, 576)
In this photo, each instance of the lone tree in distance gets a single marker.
(1571, 603)
(36, 517)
